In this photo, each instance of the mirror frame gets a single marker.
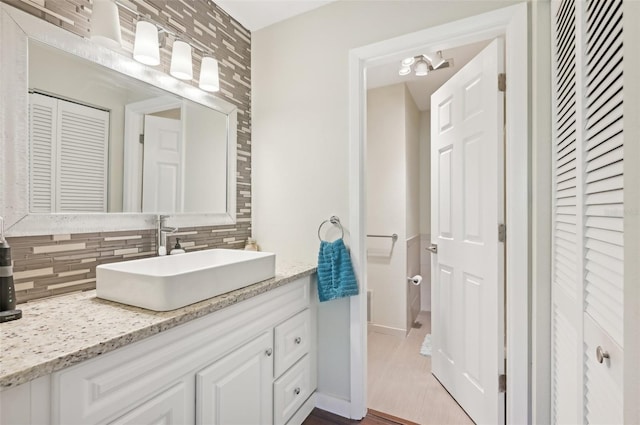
(16, 28)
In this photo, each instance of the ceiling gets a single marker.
(421, 88)
(257, 14)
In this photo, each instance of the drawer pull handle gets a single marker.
(601, 354)
(296, 391)
(268, 352)
(298, 340)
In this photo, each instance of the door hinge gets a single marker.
(502, 383)
(502, 81)
(141, 139)
(502, 232)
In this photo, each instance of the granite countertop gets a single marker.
(55, 333)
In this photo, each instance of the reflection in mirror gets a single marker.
(101, 141)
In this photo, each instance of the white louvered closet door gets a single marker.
(42, 130)
(68, 156)
(588, 243)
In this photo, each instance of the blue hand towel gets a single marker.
(335, 272)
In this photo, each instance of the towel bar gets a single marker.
(393, 237)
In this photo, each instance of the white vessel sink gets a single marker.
(173, 281)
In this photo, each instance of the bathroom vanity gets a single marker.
(244, 357)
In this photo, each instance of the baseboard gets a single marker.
(304, 411)
(386, 330)
(334, 405)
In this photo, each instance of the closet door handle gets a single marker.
(601, 354)
(433, 248)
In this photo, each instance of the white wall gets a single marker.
(425, 209)
(387, 206)
(205, 154)
(300, 134)
(413, 183)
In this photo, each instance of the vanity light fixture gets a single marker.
(181, 61)
(209, 80)
(105, 29)
(146, 48)
(105, 24)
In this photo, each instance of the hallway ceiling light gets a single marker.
(424, 64)
(146, 48)
(181, 62)
(105, 24)
(422, 67)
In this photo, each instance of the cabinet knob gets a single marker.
(601, 354)
(268, 352)
(296, 391)
(298, 340)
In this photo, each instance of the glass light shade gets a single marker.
(181, 66)
(209, 80)
(405, 70)
(146, 48)
(105, 24)
(422, 68)
(408, 61)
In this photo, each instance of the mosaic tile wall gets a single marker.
(55, 264)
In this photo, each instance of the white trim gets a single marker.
(334, 405)
(386, 330)
(512, 23)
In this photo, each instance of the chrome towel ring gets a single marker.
(333, 220)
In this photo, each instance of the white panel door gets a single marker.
(467, 118)
(162, 164)
(237, 389)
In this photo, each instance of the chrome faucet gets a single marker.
(163, 231)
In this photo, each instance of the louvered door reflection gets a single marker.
(588, 237)
(68, 156)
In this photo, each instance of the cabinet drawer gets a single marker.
(292, 341)
(291, 390)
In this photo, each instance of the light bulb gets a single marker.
(181, 66)
(146, 48)
(105, 24)
(422, 68)
(209, 80)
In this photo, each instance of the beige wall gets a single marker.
(301, 135)
(386, 210)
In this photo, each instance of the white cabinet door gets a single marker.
(168, 408)
(237, 388)
(468, 269)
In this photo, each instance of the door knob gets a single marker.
(298, 340)
(268, 352)
(601, 354)
(296, 391)
(433, 248)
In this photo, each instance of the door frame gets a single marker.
(511, 23)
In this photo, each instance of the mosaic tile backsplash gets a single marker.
(55, 264)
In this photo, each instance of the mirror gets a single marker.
(197, 185)
(87, 122)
